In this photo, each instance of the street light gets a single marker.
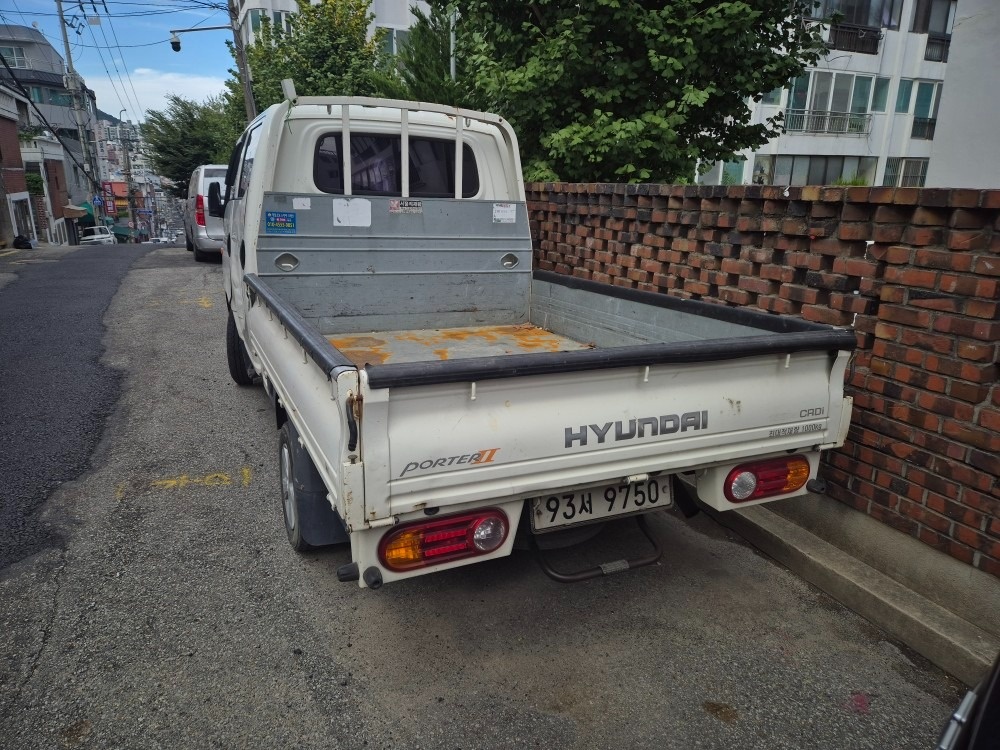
(241, 55)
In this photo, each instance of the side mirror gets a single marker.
(215, 206)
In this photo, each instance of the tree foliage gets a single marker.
(185, 135)
(612, 90)
(425, 61)
(326, 52)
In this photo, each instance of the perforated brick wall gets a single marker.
(915, 271)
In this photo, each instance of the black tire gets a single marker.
(201, 257)
(290, 502)
(188, 244)
(240, 368)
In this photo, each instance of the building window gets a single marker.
(880, 95)
(936, 16)
(732, 172)
(871, 13)
(282, 21)
(903, 96)
(14, 56)
(394, 39)
(838, 103)
(900, 172)
(772, 97)
(925, 109)
(936, 19)
(255, 19)
(813, 170)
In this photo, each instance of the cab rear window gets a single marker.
(376, 165)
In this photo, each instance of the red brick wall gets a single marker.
(10, 158)
(923, 452)
(55, 175)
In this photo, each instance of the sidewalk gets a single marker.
(943, 609)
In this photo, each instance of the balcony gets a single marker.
(824, 122)
(937, 47)
(923, 128)
(851, 38)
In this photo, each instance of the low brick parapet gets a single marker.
(916, 272)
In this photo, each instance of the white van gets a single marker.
(203, 234)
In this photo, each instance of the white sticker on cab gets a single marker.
(504, 213)
(352, 212)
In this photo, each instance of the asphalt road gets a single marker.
(55, 394)
(169, 611)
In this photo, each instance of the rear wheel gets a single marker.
(290, 502)
(188, 244)
(240, 368)
(201, 257)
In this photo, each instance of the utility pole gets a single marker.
(241, 61)
(73, 84)
(128, 173)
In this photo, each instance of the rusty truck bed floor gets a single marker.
(450, 343)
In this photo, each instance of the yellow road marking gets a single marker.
(5, 253)
(205, 301)
(209, 480)
(212, 479)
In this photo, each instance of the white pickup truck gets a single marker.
(437, 399)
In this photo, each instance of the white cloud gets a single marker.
(151, 88)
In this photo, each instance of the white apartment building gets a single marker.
(394, 15)
(868, 112)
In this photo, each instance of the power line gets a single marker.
(139, 107)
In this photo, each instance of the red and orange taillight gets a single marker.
(432, 542)
(761, 479)
(199, 210)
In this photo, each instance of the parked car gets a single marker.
(97, 236)
(203, 234)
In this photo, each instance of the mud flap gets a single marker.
(320, 523)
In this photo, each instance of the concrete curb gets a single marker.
(950, 642)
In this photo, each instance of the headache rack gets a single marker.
(462, 118)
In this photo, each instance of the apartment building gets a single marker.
(868, 112)
(393, 15)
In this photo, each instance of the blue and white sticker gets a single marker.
(279, 222)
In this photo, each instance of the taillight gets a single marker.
(199, 210)
(760, 479)
(417, 545)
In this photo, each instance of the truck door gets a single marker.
(234, 261)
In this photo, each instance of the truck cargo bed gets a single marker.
(378, 348)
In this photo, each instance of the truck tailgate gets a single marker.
(519, 436)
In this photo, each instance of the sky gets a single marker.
(126, 58)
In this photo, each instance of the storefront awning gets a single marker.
(77, 212)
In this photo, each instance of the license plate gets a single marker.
(596, 503)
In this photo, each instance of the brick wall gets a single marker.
(916, 271)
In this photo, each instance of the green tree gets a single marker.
(425, 61)
(185, 135)
(326, 52)
(606, 90)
